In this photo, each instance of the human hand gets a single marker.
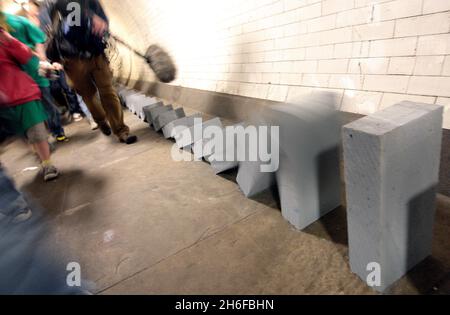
(99, 26)
(57, 66)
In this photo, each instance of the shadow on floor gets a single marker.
(53, 196)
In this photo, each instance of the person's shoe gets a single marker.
(128, 139)
(77, 117)
(62, 138)
(105, 128)
(50, 172)
(94, 125)
(23, 216)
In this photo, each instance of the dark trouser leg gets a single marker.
(54, 117)
(110, 100)
(72, 100)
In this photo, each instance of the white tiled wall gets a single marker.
(374, 53)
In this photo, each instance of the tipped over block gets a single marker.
(167, 117)
(392, 163)
(173, 128)
(189, 136)
(252, 177)
(308, 178)
(154, 112)
(147, 111)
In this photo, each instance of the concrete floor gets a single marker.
(140, 223)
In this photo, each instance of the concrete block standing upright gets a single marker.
(392, 171)
(308, 178)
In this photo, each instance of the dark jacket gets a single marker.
(77, 40)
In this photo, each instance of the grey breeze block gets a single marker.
(141, 103)
(154, 112)
(189, 136)
(308, 177)
(147, 111)
(173, 128)
(167, 117)
(392, 170)
(250, 178)
(210, 154)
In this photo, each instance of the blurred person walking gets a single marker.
(81, 49)
(32, 36)
(21, 110)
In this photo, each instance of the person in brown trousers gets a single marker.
(81, 46)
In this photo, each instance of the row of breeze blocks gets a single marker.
(392, 161)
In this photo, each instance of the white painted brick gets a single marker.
(320, 52)
(390, 99)
(343, 50)
(446, 67)
(294, 4)
(361, 49)
(402, 65)
(433, 86)
(294, 54)
(364, 103)
(345, 81)
(374, 31)
(444, 101)
(333, 6)
(278, 93)
(364, 3)
(297, 92)
(322, 23)
(333, 66)
(315, 80)
(291, 78)
(432, 6)
(393, 47)
(397, 9)
(369, 66)
(354, 17)
(434, 45)
(310, 12)
(295, 29)
(307, 66)
(271, 78)
(340, 35)
(423, 25)
(429, 65)
(386, 83)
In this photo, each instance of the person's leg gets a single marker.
(110, 100)
(72, 100)
(54, 120)
(37, 136)
(78, 73)
(12, 204)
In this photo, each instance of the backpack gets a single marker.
(66, 41)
